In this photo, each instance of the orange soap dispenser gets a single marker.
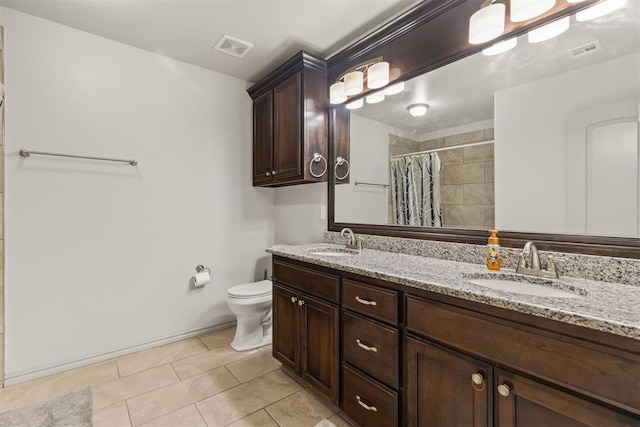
(493, 251)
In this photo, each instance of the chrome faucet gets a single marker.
(353, 242)
(530, 263)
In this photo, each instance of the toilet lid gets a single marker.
(250, 290)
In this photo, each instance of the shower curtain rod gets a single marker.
(442, 149)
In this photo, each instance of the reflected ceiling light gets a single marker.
(599, 9)
(355, 104)
(523, 10)
(374, 98)
(501, 47)
(394, 89)
(549, 31)
(378, 75)
(336, 93)
(418, 110)
(487, 23)
(353, 83)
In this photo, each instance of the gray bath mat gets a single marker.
(71, 410)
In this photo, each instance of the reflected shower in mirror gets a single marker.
(539, 138)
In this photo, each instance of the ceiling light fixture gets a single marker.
(374, 98)
(355, 104)
(501, 47)
(375, 72)
(599, 9)
(394, 89)
(487, 23)
(418, 110)
(548, 31)
(523, 10)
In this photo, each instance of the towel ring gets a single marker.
(339, 162)
(316, 158)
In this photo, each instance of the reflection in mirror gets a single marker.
(542, 138)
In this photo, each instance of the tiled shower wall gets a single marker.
(466, 177)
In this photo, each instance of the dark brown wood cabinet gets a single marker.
(290, 123)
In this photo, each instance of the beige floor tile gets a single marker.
(219, 339)
(253, 367)
(232, 405)
(339, 421)
(112, 416)
(266, 349)
(148, 359)
(133, 385)
(300, 410)
(56, 385)
(167, 399)
(213, 359)
(257, 419)
(185, 417)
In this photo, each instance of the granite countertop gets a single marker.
(608, 307)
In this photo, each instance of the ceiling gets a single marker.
(188, 30)
(462, 92)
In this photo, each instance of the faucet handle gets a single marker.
(552, 267)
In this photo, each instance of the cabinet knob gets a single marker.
(504, 390)
(477, 381)
(274, 173)
(366, 347)
(267, 173)
(365, 406)
(365, 302)
(294, 299)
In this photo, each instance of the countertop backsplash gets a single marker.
(601, 268)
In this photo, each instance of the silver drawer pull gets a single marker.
(365, 406)
(365, 302)
(366, 347)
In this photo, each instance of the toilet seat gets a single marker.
(250, 290)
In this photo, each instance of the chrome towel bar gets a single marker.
(371, 184)
(27, 153)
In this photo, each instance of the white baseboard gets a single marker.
(20, 377)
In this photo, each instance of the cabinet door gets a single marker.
(287, 146)
(285, 327)
(526, 403)
(263, 139)
(319, 347)
(440, 388)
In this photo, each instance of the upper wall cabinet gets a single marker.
(290, 123)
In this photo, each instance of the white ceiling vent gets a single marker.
(233, 46)
(585, 49)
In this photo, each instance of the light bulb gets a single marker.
(378, 75)
(501, 47)
(523, 10)
(487, 23)
(336, 93)
(374, 98)
(599, 9)
(394, 89)
(355, 104)
(548, 31)
(418, 110)
(353, 83)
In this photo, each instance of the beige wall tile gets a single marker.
(431, 144)
(451, 157)
(148, 359)
(257, 419)
(204, 362)
(253, 367)
(188, 416)
(219, 339)
(452, 174)
(478, 194)
(473, 173)
(489, 171)
(165, 400)
(232, 405)
(463, 215)
(300, 409)
(464, 138)
(112, 416)
(489, 134)
(107, 394)
(489, 216)
(479, 153)
(451, 194)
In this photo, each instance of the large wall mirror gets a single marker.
(541, 138)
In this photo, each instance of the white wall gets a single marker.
(530, 140)
(98, 255)
(297, 214)
(369, 162)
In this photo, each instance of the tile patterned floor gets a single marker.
(199, 382)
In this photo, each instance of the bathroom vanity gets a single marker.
(397, 339)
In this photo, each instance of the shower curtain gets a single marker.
(415, 190)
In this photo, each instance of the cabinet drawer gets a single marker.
(366, 401)
(323, 285)
(371, 347)
(373, 301)
(578, 365)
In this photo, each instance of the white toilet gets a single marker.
(251, 303)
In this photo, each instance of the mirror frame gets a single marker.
(401, 43)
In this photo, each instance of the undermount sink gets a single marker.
(334, 252)
(533, 286)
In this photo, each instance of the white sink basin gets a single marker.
(334, 252)
(525, 288)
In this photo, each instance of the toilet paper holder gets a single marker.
(201, 268)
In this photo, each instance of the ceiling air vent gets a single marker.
(233, 46)
(585, 49)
